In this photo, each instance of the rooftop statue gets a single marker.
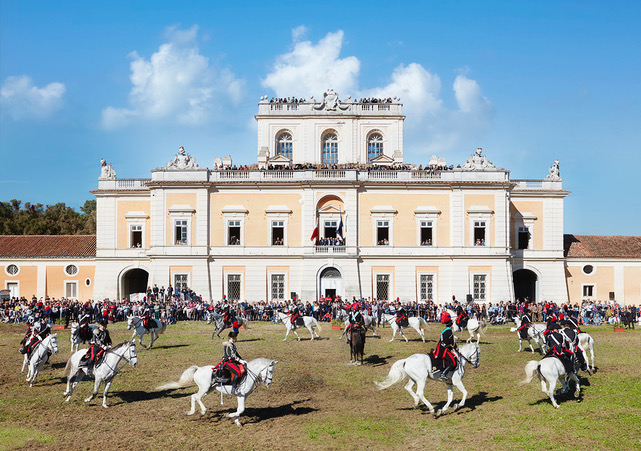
(182, 161)
(106, 171)
(554, 175)
(331, 102)
(478, 161)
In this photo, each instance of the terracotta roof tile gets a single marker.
(601, 246)
(31, 246)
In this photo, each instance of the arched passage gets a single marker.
(525, 284)
(134, 281)
(331, 283)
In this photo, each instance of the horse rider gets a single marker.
(559, 347)
(146, 317)
(294, 315)
(573, 324)
(35, 334)
(551, 325)
(83, 325)
(227, 317)
(526, 323)
(100, 342)
(461, 315)
(232, 361)
(401, 315)
(445, 346)
(355, 319)
(572, 340)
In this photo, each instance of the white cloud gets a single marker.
(176, 83)
(468, 95)
(299, 33)
(22, 100)
(310, 69)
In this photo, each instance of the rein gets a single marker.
(476, 351)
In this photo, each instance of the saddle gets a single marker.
(403, 322)
(567, 363)
(462, 323)
(227, 371)
(523, 331)
(300, 321)
(438, 365)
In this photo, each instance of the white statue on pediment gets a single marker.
(106, 171)
(478, 161)
(555, 174)
(331, 102)
(182, 160)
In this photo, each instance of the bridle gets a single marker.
(469, 359)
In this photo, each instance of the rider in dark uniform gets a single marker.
(83, 325)
(232, 361)
(146, 317)
(100, 342)
(355, 319)
(295, 316)
(559, 347)
(526, 323)
(572, 342)
(401, 316)
(445, 346)
(461, 316)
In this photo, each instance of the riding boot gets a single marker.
(445, 373)
(23, 350)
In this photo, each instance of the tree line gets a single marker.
(37, 219)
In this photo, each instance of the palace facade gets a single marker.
(329, 209)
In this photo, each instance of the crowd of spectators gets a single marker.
(335, 167)
(286, 100)
(180, 305)
(332, 241)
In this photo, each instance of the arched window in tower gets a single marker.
(374, 146)
(330, 148)
(284, 145)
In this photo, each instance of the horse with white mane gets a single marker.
(75, 337)
(104, 372)
(415, 322)
(308, 321)
(158, 327)
(39, 357)
(549, 370)
(587, 344)
(418, 368)
(474, 326)
(204, 376)
(368, 322)
(535, 332)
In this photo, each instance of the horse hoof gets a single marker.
(238, 423)
(577, 393)
(87, 399)
(439, 412)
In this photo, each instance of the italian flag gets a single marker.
(315, 232)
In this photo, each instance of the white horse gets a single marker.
(368, 322)
(418, 368)
(105, 371)
(75, 336)
(309, 321)
(203, 377)
(140, 329)
(550, 370)
(39, 357)
(535, 332)
(220, 325)
(416, 322)
(474, 326)
(587, 344)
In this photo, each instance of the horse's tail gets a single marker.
(531, 369)
(422, 323)
(396, 374)
(186, 379)
(317, 324)
(67, 369)
(163, 326)
(482, 327)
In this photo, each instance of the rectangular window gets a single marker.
(479, 233)
(180, 231)
(180, 281)
(233, 287)
(588, 291)
(426, 233)
(13, 288)
(278, 233)
(382, 287)
(278, 287)
(71, 290)
(329, 229)
(427, 287)
(233, 232)
(136, 236)
(479, 287)
(523, 238)
(382, 233)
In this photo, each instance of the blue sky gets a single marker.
(529, 82)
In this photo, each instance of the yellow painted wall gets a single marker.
(56, 278)
(180, 199)
(632, 283)
(124, 207)
(536, 208)
(405, 228)
(257, 224)
(602, 277)
(480, 200)
(27, 280)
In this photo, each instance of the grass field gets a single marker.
(319, 401)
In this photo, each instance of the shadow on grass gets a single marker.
(129, 396)
(376, 360)
(256, 415)
(249, 340)
(58, 365)
(476, 400)
(169, 346)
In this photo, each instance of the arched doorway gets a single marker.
(134, 281)
(525, 284)
(331, 283)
